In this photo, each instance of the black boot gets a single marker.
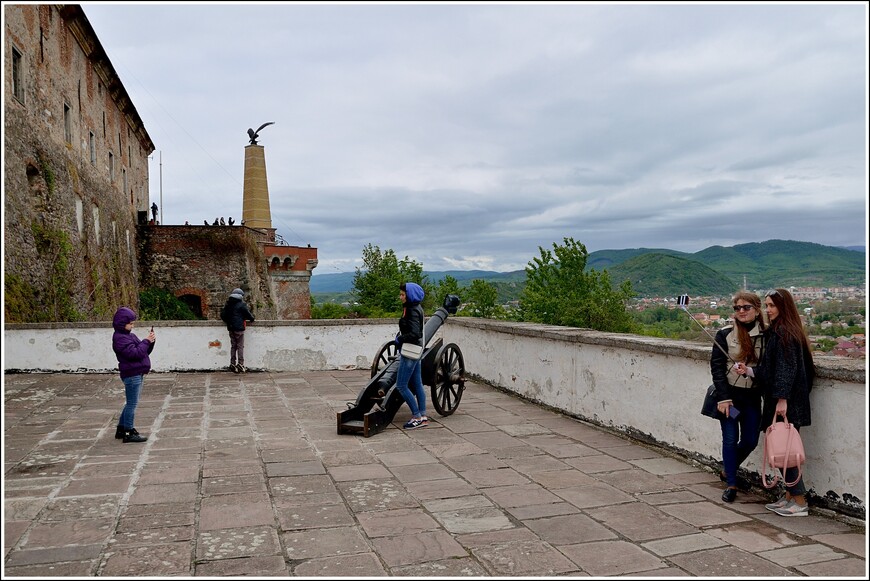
(132, 435)
(119, 432)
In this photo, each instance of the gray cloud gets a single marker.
(466, 136)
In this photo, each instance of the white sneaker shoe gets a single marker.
(793, 509)
(778, 504)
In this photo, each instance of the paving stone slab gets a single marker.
(81, 507)
(803, 555)
(754, 536)
(569, 529)
(314, 516)
(218, 514)
(728, 562)
(423, 473)
(609, 558)
(384, 494)
(153, 536)
(106, 485)
(235, 484)
(473, 520)
(358, 566)
(294, 468)
(703, 514)
(403, 521)
(520, 495)
(542, 510)
(640, 522)
(233, 543)
(316, 543)
(567, 478)
(53, 555)
(523, 559)
(852, 542)
(592, 495)
(419, 548)
(443, 488)
(152, 561)
(269, 566)
(68, 569)
(840, 569)
(160, 493)
(684, 544)
(457, 567)
(75, 532)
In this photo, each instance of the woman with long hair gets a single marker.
(739, 399)
(786, 372)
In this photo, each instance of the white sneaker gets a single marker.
(778, 504)
(793, 509)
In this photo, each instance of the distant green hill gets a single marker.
(784, 263)
(658, 275)
(661, 272)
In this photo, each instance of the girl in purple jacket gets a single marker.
(133, 363)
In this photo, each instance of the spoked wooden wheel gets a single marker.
(449, 379)
(388, 352)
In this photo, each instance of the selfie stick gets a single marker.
(683, 303)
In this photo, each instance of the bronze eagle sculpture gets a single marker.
(254, 134)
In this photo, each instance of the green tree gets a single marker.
(446, 286)
(376, 284)
(157, 304)
(483, 301)
(559, 291)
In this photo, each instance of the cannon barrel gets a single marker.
(376, 405)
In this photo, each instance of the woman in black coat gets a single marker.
(786, 372)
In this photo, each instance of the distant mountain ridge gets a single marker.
(717, 270)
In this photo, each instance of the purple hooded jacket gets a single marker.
(132, 353)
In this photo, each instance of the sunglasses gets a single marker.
(743, 307)
(771, 293)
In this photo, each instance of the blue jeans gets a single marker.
(132, 389)
(410, 372)
(739, 438)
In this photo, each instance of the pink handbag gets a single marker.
(783, 449)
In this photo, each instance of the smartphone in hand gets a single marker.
(733, 412)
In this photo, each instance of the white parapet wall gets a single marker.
(645, 387)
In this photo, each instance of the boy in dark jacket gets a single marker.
(236, 315)
(133, 364)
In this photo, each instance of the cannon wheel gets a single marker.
(449, 379)
(388, 352)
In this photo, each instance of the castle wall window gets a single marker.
(92, 145)
(97, 223)
(67, 123)
(124, 176)
(111, 166)
(17, 80)
(80, 216)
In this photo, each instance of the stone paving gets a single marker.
(245, 475)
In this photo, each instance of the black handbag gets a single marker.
(710, 407)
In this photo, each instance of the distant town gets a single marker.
(835, 317)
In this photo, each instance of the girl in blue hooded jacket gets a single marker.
(133, 363)
(411, 331)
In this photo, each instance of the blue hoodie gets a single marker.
(414, 292)
(132, 353)
(411, 323)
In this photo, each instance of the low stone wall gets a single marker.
(648, 388)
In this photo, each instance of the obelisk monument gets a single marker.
(256, 212)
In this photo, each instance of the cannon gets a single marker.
(443, 369)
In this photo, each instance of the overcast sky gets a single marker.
(467, 136)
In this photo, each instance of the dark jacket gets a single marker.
(785, 372)
(729, 385)
(132, 353)
(411, 323)
(235, 313)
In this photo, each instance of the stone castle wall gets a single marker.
(76, 171)
(207, 262)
